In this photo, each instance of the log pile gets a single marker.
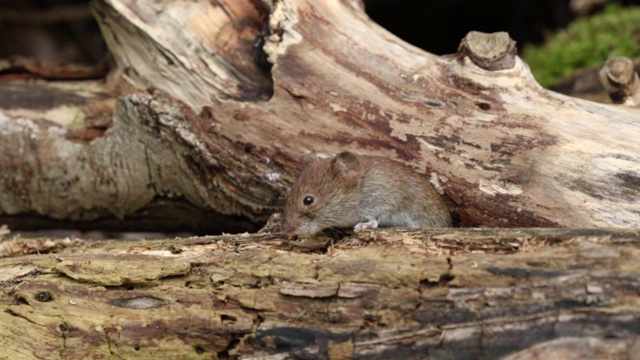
(203, 122)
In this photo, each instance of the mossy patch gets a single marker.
(585, 43)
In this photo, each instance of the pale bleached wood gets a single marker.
(192, 119)
(504, 151)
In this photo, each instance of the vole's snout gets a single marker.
(289, 227)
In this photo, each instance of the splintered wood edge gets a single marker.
(444, 240)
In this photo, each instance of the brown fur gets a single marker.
(352, 190)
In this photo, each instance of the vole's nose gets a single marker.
(289, 227)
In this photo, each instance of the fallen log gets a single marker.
(199, 122)
(467, 293)
(211, 107)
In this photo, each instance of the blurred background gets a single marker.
(555, 37)
(565, 42)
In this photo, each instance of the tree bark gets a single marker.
(192, 121)
(385, 294)
(200, 123)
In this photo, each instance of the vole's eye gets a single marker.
(308, 200)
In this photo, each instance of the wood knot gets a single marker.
(44, 296)
(496, 51)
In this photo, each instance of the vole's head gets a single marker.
(324, 194)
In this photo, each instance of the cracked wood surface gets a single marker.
(192, 129)
(468, 294)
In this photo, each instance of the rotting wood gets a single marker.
(188, 118)
(389, 294)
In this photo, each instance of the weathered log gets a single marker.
(442, 294)
(193, 117)
(218, 132)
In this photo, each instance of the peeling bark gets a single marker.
(465, 294)
(205, 118)
(210, 128)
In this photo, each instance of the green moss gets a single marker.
(586, 43)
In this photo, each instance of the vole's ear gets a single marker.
(346, 164)
(310, 158)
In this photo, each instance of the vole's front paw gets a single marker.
(371, 224)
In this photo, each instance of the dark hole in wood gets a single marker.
(483, 105)
(442, 280)
(22, 301)
(224, 354)
(44, 296)
(225, 318)
(445, 278)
